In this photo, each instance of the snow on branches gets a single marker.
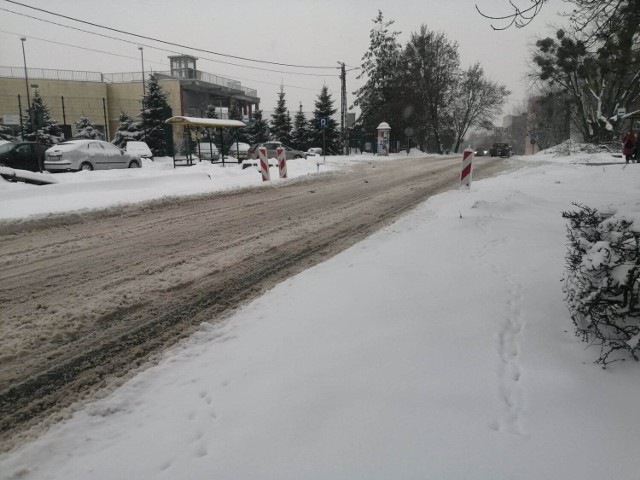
(602, 281)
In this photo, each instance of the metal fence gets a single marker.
(51, 74)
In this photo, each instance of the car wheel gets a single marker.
(297, 156)
(133, 164)
(86, 166)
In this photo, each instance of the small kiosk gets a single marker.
(384, 131)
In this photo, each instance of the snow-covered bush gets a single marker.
(86, 129)
(602, 281)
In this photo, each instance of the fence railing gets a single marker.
(51, 74)
(54, 74)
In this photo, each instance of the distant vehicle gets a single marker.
(76, 155)
(139, 149)
(271, 147)
(208, 151)
(482, 151)
(239, 150)
(500, 150)
(314, 151)
(23, 155)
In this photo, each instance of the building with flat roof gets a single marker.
(102, 96)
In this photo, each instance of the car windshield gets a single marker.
(6, 147)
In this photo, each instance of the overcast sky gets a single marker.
(299, 32)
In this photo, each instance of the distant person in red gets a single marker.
(629, 145)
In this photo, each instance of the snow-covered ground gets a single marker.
(438, 348)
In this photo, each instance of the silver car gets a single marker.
(271, 147)
(75, 155)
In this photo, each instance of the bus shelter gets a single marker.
(194, 124)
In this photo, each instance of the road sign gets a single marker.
(622, 111)
(323, 122)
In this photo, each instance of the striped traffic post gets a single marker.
(264, 164)
(282, 162)
(467, 168)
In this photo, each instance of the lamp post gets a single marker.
(144, 92)
(31, 112)
(26, 79)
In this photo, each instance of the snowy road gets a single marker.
(91, 298)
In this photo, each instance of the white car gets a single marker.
(239, 150)
(139, 149)
(314, 151)
(74, 155)
(207, 151)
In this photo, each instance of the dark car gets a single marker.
(500, 150)
(23, 155)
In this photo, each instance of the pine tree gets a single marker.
(48, 129)
(236, 134)
(281, 121)
(153, 114)
(86, 129)
(257, 131)
(128, 130)
(301, 131)
(376, 97)
(329, 137)
(211, 111)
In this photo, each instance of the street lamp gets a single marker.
(26, 78)
(144, 91)
(142, 59)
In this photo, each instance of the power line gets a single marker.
(77, 46)
(163, 49)
(166, 42)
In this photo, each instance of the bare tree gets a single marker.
(430, 68)
(475, 101)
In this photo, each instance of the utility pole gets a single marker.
(343, 107)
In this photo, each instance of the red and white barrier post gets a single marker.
(467, 168)
(264, 164)
(282, 162)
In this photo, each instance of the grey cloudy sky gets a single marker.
(300, 32)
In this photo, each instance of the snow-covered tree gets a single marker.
(599, 78)
(325, 109)
(86, 129)
(258, 130)
(128, 130)
(48, 129)
(376, 97)
(301, 131)
(154, 112)
(281, 121)
(211, 111)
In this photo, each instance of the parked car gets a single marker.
(87, 155)
(290, 153)
(208, 151)
(23, 155)
(314, 151)
(500, 150)
(239, 150)
(139, 149)
(482, 151)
